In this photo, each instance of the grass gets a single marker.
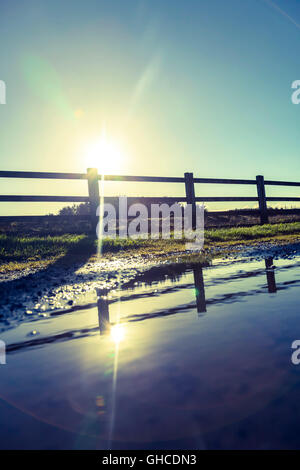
(13, 248)
(252, 233)
(17, 252)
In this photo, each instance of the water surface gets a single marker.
(196, 358)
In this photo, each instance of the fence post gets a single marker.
(190, 195)
(94, 198)
(262, 202)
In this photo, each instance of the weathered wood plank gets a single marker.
(42, 175)
(10, 198)
(148, 200)
(190, 195)
(37, 218)
(94, 196)
(281, 183)
(225, 199)
(151, 179)
(262, 202)
(223, 181)
(283, 198)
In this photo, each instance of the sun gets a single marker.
(117, 333)
(104, 154)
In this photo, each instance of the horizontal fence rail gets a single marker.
(281, 183)
(93, 197)
(44, 199)
(43, 175)
(223, 181)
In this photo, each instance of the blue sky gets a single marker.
(202, 86)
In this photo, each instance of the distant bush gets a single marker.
(80, 209)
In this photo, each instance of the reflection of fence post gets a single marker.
(262, 202)
(190, 195)
(94, 198)
(272, 288)
(199, 288)
(103, 311)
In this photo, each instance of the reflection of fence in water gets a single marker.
(199, 289)
(272, 288)
(103, 310)
(103, 301)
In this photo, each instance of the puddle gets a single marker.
(196, 358)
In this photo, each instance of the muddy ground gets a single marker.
(44, 289)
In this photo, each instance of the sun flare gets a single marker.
(117, 333)
(104, 154)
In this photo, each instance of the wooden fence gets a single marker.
(188, 179)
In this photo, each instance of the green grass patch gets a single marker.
(252, 233)
(13, 248)
(35, 248)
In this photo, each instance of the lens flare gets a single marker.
(117, 333)
(104, 154)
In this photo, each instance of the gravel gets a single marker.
(41, 291)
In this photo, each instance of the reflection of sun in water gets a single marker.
(104, 154)
(117, 333)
